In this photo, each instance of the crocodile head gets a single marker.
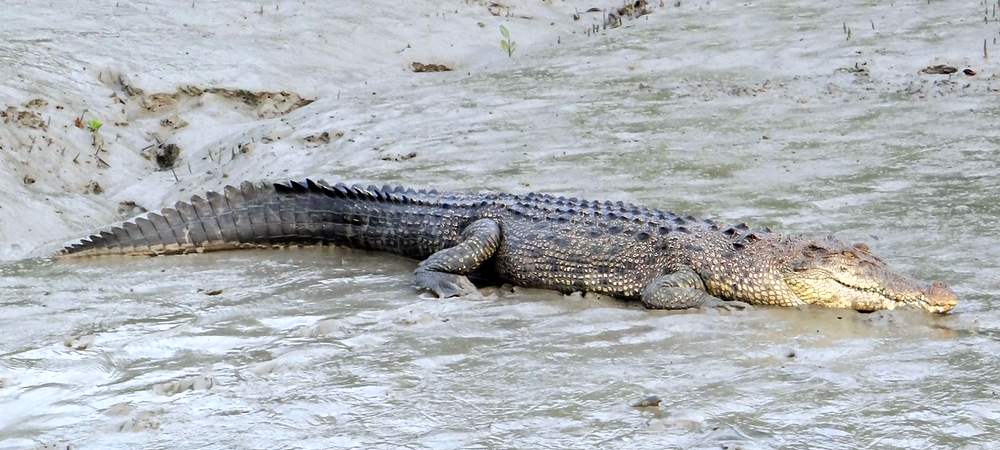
(830, 273)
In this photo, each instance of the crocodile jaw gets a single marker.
(824, 288)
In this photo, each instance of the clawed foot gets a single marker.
(733, 305)
(446, 285)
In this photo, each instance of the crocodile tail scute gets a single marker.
(389, 218)
(239, 217)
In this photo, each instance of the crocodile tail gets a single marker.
(252, 215)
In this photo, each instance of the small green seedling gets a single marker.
(506, 44)
(94, 125)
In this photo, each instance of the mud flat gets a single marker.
(803, 116)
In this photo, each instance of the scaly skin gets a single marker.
(534, 240)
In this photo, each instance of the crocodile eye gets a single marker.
(815, 251)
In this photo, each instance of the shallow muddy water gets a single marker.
(331, 348)
(736, 111)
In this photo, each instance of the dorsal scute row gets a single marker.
(341, 190)
(387, 193)
(599, 216)
(555, 206)
(741, 235)
(621, 217)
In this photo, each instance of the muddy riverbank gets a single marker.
(805, 117)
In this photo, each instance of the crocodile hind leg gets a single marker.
(444, 272)
(683, 289)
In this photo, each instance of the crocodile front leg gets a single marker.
(682, 289)
(443, 273)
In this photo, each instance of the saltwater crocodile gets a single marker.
(662, 259)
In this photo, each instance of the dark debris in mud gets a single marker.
(422, 68)
(614, 17)
(633, 10)
(55, 446)
(649, 401)
(939, 69)
(858, 69)
(400, 157)
(166, 155)
(322, 138)
(93, 188)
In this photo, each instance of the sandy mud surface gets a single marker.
(872, 121)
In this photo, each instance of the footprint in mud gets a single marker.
(194, 383)
(325, 137)
(129, 208)
(141, 421)
(81, 342)
(59, 446)
(173, 122)
(135, 421)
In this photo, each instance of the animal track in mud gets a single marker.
(23, 118)
(264, 104)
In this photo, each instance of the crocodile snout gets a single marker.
(940, 298)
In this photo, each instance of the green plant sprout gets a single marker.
(93, 125)
(506, 44)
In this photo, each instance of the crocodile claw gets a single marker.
(446, 285)
(727, 305)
